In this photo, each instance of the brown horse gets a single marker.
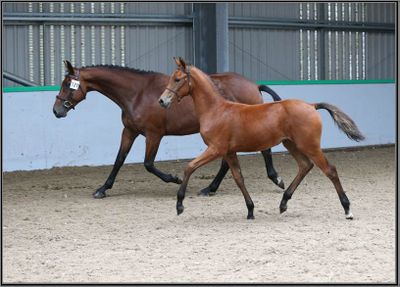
(136, 93)
(228, 128)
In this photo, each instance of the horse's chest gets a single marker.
(131, 121)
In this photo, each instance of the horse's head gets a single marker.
(179, 84)
(71, 93)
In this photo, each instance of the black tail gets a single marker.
(343, 121)
(270, 91)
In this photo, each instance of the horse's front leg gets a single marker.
(272, 174)
(127, 140)
(207, 156)
(152, 144)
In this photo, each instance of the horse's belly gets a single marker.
(251, 142)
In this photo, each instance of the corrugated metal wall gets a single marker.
(35, 50)
(270, 10)
(263, 53)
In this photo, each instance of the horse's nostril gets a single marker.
(161, 101)
(57, 114)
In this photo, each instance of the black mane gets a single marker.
(120, 68)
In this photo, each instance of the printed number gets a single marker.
(74, 84)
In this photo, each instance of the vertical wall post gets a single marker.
(322, 71)
(211, 37)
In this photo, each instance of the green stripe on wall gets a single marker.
(311, 82)
(326, 82)
(30, 89)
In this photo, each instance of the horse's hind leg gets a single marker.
(272, 174)
(212, 188)
(305, 165)
(152, 144)
(237, 175)
(329, 170)
(127, 140)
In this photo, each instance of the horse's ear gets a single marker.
(177, 61)
(180, 63)
(68, 67)
(183, 64)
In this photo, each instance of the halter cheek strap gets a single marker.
(189, 83)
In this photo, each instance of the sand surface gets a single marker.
(54, 231)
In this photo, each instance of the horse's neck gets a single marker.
(205, 96)
(111, 85)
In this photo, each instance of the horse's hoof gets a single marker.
(179, 209)
(349, 216)
(279, 182)
(282, 208)
(176, 180)
(99, 194)
(206, 192)
(250, 216)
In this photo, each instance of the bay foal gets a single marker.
(227, 128)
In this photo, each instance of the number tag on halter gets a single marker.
(74, 84)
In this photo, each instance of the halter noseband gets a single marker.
(66, 103)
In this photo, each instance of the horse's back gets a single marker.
(294, 117)
(237, 88)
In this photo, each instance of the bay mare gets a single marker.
(136, 92)
(227, 128)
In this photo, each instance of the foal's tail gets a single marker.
(343, 121)
(270, 91)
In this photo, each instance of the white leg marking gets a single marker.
(349, 215)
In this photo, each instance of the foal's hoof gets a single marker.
(279, 182)
(176, 179)
(282, 208)
(206, 192)
(349, 216)
(250, 216)
(179, 209)
(99, 194)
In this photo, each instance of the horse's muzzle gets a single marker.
(162, 103)
(59, 115)
(165, 99)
